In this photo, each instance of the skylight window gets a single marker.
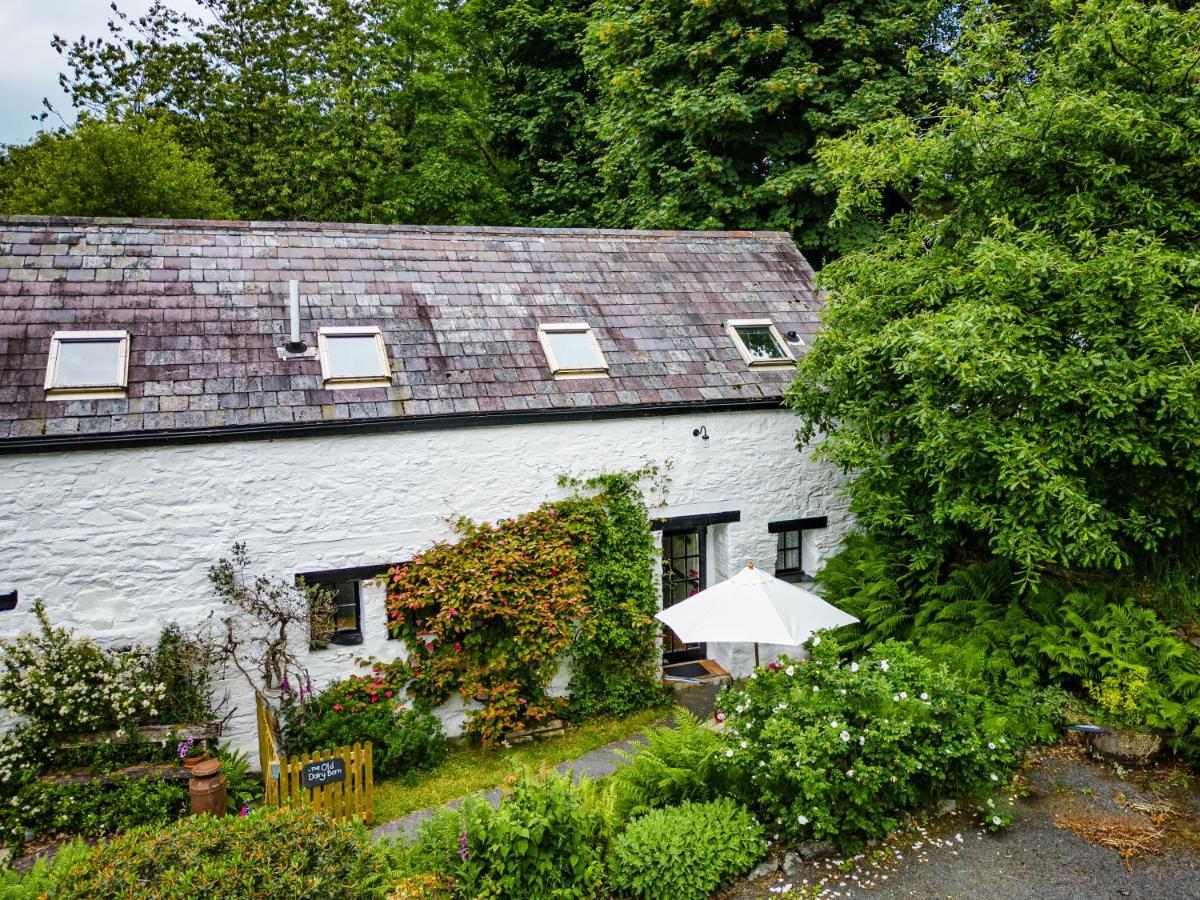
(353, 357)
(572, 351)
(759, 342)
(87, 365)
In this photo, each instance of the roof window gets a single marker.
(87, 365)
(572, 350)
(760, 343)
(353, 357)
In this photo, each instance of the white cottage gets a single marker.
(332, 394)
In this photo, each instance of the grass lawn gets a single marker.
(469, 770)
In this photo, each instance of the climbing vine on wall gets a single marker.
(492, 615)
(614, 661)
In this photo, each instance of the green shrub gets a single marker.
(358, 710)
(39, 880)
(832, 751)
(685, 851)
(285, 853)
(677, 763)
(183, 665)
(243, 789)
(92, 808)
(1065, 634)
(543, 840)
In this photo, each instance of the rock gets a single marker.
(5, 856)
(792, 865)
(947, 806)
(763, 869)
(815, 849)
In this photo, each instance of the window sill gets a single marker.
(346, 638)
(794, 576)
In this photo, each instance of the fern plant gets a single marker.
(678, 762)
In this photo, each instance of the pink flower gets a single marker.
(337, 707)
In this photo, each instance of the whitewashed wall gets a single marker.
(118, 542)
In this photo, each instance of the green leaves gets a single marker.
(332, 111)
(685, 851)
(1010, 367)
(129, 168)
(709, 112)
(492, 615)
(833, 749)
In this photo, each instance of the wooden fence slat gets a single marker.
(283, 777)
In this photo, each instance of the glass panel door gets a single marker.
(683, 574)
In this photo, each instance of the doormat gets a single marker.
(686, 670)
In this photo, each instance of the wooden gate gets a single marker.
(338, 783)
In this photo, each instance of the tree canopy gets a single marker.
(126, 168)
(709, 110)
(309, 109)
(1011, 366)
(540, 105)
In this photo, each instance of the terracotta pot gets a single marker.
(1133, 748)
(195, 759)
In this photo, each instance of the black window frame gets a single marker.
(783, 529)
(330, 579)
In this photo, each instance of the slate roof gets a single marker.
(205, 304)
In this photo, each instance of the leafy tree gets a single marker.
(310, 109)
(709, 109)
(1011, 368)
(541, 99)
(109, 169)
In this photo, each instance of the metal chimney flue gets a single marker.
(294, 344)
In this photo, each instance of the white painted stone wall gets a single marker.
(118, 542)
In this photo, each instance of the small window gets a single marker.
(87, 364)
(347, 610)
(789, 556)
(353, 357)
(572, 351)
(759, 342)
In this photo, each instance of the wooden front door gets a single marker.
(683, 574)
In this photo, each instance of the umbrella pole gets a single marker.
(756, 654)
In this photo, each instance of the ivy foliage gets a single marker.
(709, 111)
(615, 657)
(492, 615)
(1010, 368)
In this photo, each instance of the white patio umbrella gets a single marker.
(752, 607)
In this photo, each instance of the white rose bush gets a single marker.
(837, 750)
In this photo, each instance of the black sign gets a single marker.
(327, 771)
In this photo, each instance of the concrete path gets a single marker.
(598, 763)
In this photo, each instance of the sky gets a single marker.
(29, 67)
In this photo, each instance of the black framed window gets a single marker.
(789, 546)
(684, 560)
(346, 588)
(789, 555)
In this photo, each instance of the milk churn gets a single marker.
(207, 789)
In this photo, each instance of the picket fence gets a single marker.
(352, 798)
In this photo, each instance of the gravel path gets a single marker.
(951, 859)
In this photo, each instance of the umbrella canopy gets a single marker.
(752, 607)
